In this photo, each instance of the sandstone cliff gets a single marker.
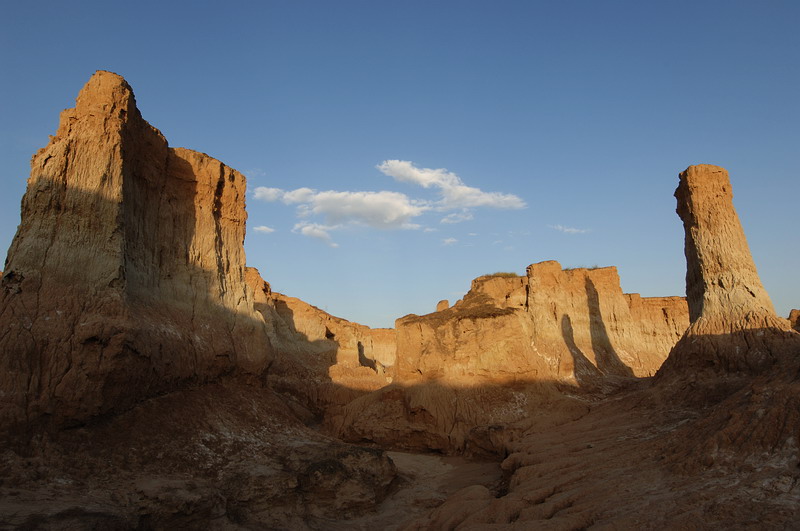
(320, 360)
(472, 376)
(127, 280)
(564, 325)
(794, 319)
(126, 277)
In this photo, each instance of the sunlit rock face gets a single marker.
(734, 328)
(551, 324)
(126, 277)
(467, 375)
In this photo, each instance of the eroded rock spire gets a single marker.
(721, 278)
(734, 327)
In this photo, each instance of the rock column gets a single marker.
(734, 327)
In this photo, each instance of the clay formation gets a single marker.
(151, 381)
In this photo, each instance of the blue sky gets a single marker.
(520, 120)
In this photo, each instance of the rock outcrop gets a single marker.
(726, 404)
(794, 319)
(572, 325)
(126, 277)
(219, 456)
(319, 359)
(582, 315)
(126, 285)
(738, 359)
(130, 319)
(470, 377)
(734, 328)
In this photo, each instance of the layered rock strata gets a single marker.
(126, 277)
(125, 296)
(715, 435)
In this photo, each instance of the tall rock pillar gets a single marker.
(734, 327)
(721, 278)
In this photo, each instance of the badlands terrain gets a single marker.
(151, 380)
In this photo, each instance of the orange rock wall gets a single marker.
(555, 324)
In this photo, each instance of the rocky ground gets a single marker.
(206, 458)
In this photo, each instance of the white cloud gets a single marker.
(428, 229)
(405, 171)
(449, 241)
(323, 212)
(338, 210)
(264, 229)
(315, 230)
(301, 195)
(455, 194)
(472, 234)
(380, 210)
(457, 217)
(267, 194)
(462, 196)
(568, 230)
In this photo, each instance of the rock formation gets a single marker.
(734, 328)
(737, 358)
(794, 319)
(466, 376)
(442, 305)
(564, 325)
(130, 319)
(126, 276)
(321, 360)
(714, 437)
(222, 455)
